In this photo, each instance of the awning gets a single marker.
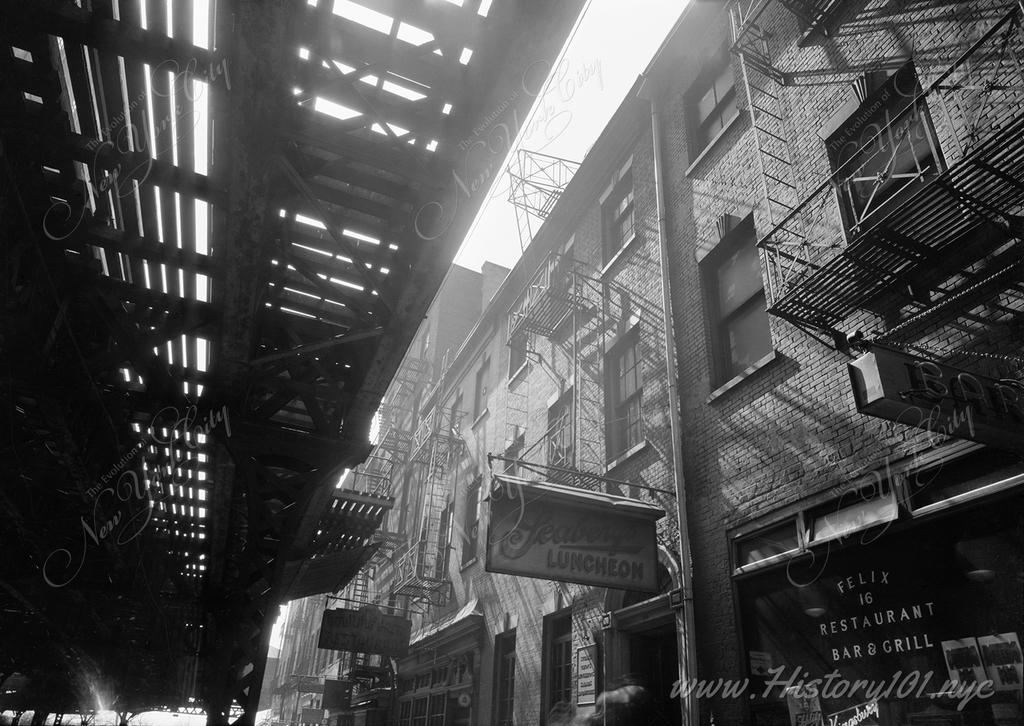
(468, 618)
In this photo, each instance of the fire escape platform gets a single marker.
(548, 299)
(344, 542)
(939, 222)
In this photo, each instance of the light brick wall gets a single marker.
(789, 431)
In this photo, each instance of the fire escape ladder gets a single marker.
(517, 407)
(763, 86)
(577, 311)
(420, 569)
(594, 327)
(360, 588)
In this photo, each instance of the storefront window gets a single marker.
(916, 625)
(854, 512)
(419, 712)
(767, 544)
(438, 702)
(976, 474)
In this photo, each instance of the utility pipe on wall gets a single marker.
(688, 645)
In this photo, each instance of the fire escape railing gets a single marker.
(819, 271)
(419, 570)
(550, 296)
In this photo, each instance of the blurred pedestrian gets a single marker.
(628, 705)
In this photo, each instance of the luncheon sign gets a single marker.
(562, 533)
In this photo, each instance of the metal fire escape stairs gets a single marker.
(420, 571)
(574, 310)
(954, 244)
(394, 444)
(579, 313)
(763, 86)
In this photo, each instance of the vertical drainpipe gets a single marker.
(686, 638)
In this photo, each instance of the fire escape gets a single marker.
(921, 221)
(571, 306)
(577, 311)
(394, 442)
(421, 569)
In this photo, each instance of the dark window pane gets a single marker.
(767, 544)
(617, 212)
(739, 279)
(749, 337)
(706, 105)
(714, 104)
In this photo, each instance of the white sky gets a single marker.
(612, 45)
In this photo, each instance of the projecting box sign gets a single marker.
(312, 715)
(561, 533)
(337, 694)
(366, 630)
(938, 398)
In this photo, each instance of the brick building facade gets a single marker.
(855, 144)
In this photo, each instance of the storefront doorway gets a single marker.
(654, 662)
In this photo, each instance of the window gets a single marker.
(444, 543)
(740, 335)
(884, 150)
(617, 210)
(558, 661)
(471, 522)
(505, 675)
(712, 102)
(514, 451)
(517, 347)
(455, 414)
(438, 704)
(425, 345)
(624, 422)
(560, 444)
(419, 712)
(483, 383)
(766, 544)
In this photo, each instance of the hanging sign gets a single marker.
(567, 534)
(938, 398)
(366, 630)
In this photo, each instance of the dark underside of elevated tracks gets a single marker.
(221, 223)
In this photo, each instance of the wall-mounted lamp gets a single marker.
(976, 558)
(812, 602)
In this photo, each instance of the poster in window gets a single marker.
(586, 674)
(1003, 662)
(804, 707)
(760, 662)
(865, 714)
(963, 660)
